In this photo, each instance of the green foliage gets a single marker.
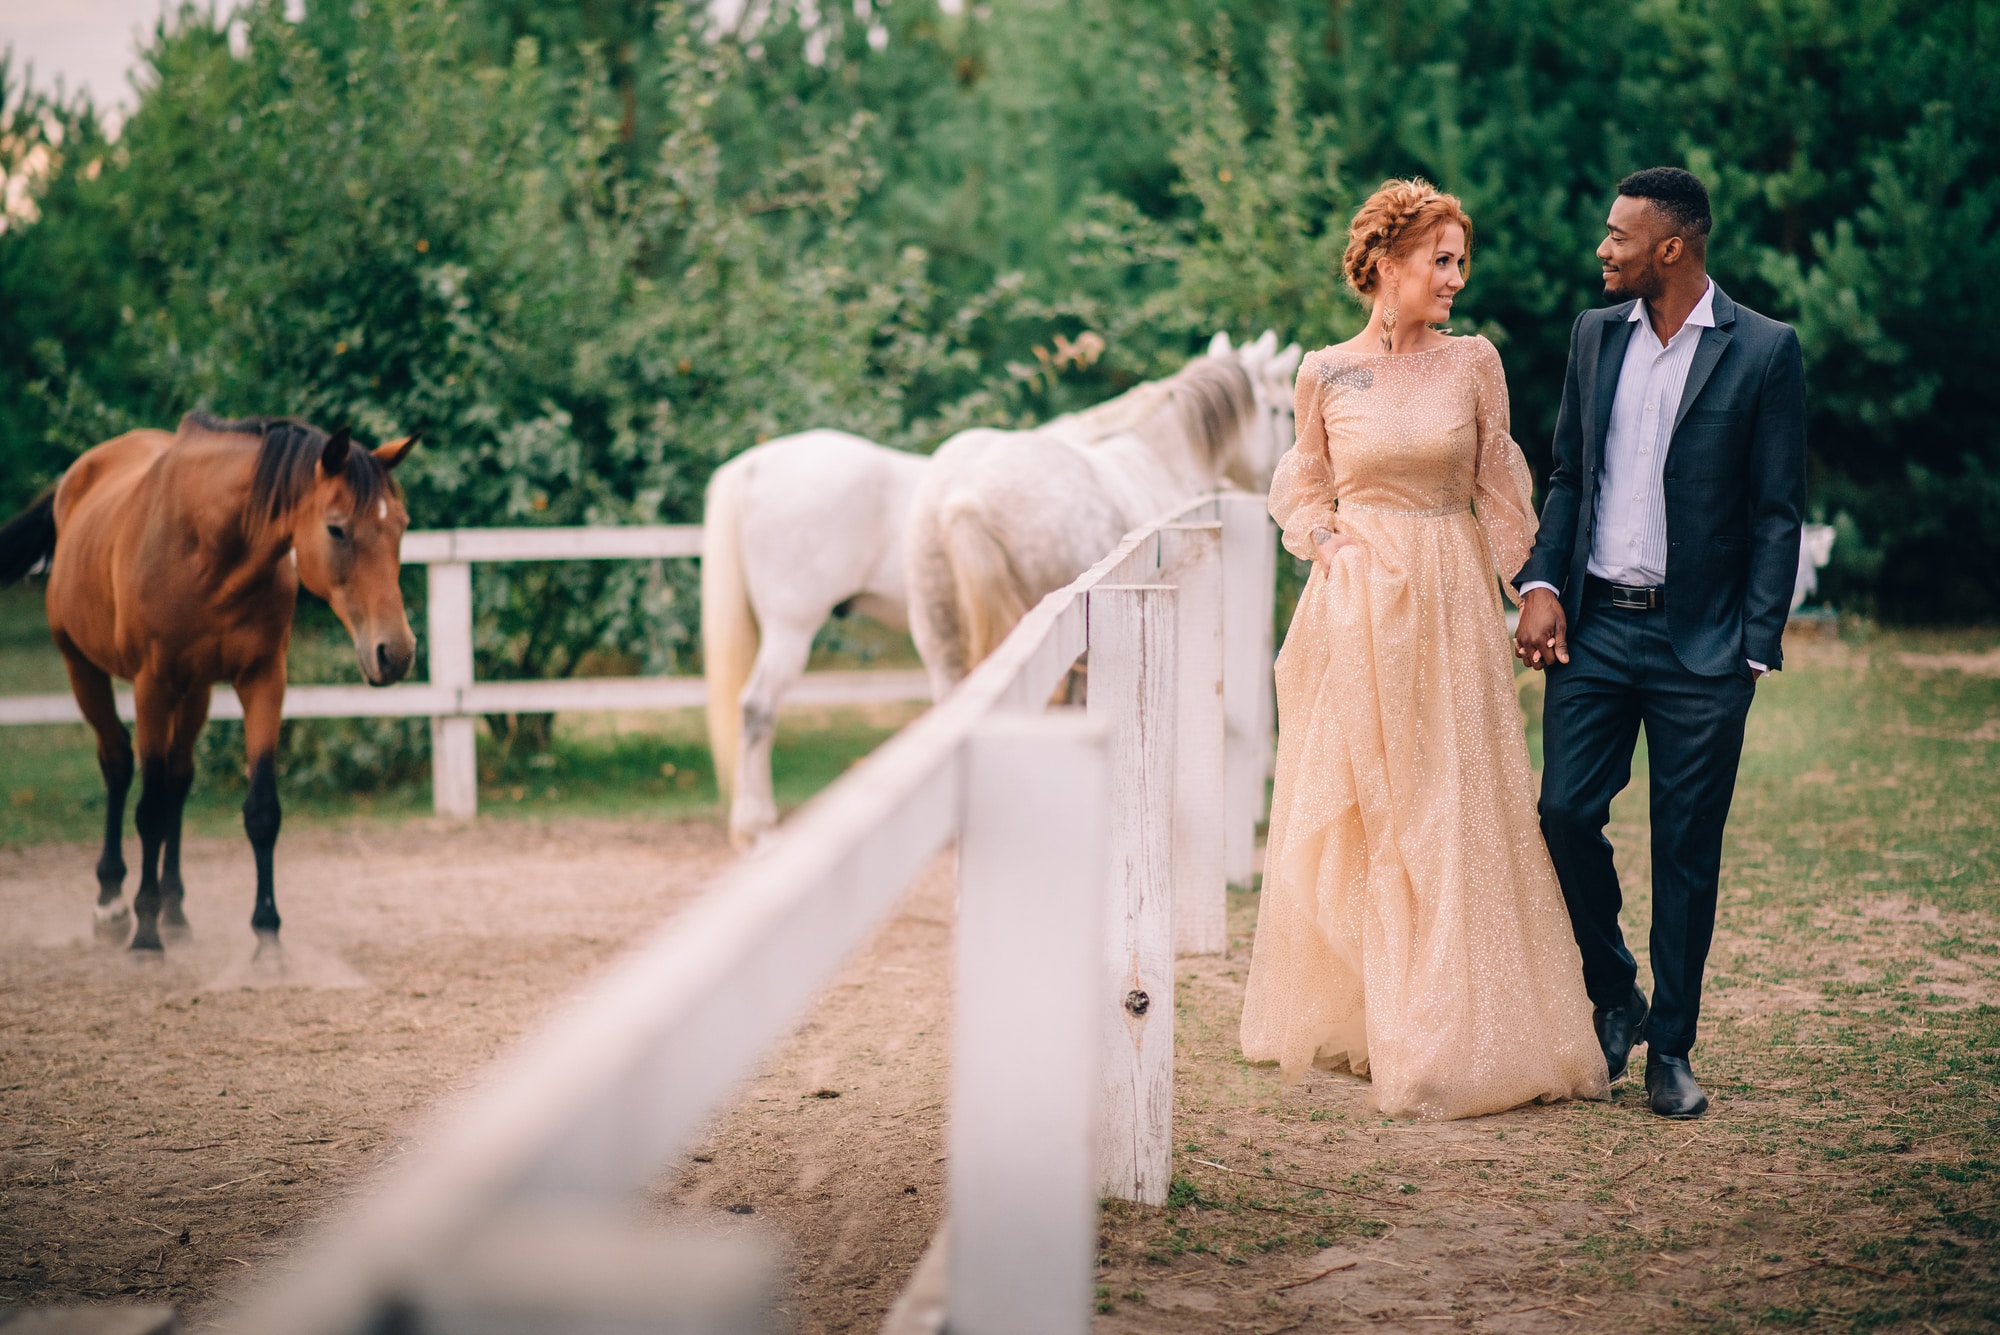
(592, 251)
(321, 758)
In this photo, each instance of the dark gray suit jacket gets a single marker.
(1735, 476)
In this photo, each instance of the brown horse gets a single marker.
(175, 560)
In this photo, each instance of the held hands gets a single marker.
(1541, 637)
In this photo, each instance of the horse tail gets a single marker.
(28, 539)
(728, 622)
(988, 591)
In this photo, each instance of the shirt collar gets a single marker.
(1702, 316)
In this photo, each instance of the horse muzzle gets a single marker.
(384, 662)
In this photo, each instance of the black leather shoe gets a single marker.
(1671, 1089)
(1618, 1029)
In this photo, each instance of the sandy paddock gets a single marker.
(167, 1127)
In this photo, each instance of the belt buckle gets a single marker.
(1636, 600)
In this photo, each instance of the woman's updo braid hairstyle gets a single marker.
(1396, 219)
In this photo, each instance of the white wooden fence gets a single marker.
(453, 700)
(1088, 846)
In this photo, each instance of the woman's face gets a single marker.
(1424, 282)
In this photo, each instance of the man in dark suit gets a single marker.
(1657, 594)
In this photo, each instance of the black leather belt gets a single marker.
(1632, 597)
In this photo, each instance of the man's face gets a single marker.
(1634, 237)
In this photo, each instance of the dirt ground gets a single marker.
(166, 1129)
(1299, 1208)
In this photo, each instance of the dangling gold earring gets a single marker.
(1388, 322)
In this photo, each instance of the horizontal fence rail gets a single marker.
(453, 700)
(421, 699)
(1074, 867)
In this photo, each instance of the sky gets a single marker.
(94, 43)
(84, 43)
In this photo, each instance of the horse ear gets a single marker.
(1268, 343)
(333, 459)
(1287, 361)
(395, 451)
(1219, 345)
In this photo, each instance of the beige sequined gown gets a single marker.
(1411, 926)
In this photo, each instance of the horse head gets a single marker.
(348, 537)
(1270, 370)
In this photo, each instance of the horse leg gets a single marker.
(155, 709)
(92, 687)
(180, 776)
(781, 659)
(263, 698)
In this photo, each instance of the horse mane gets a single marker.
(288, 462)
(1213, 394)
(1219, 396)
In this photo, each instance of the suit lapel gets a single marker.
(1604, 389)
(1706, 354)
(1714, 342)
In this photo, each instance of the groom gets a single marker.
(1657, 594)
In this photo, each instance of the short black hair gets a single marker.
(1679, 195)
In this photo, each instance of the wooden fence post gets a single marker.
(1034, 844)
(1191, 561)
(454, 739)
(1132, 688)
(1248, 575)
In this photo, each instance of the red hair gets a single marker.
(1397, 218)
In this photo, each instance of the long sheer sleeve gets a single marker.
(1302, 488)
(1502, 486)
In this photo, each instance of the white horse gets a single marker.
(791, 530)
(1815, 550)
(1003, 517)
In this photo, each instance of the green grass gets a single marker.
(630, 766)
(1849, 1175)
(50, 790)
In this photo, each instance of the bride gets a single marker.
(1411, 927)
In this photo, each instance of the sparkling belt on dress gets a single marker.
(1434, 512)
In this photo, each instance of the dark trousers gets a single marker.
(1623, 673)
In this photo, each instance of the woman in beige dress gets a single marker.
(1411, 927)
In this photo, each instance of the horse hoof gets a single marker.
(114, 926)
(146, 951)
(177, 932)
(751, 835)
(269, 957)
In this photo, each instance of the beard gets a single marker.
(1628, 283)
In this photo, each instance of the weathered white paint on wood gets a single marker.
(1247, 576)
(93, 1319)
(545, 1268)
(454, 740)
(1132, 688)
(1028, 960)
(592, 1106)
(636, 542)
(919, 1308)
(590, 1109)
(1191, 560)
